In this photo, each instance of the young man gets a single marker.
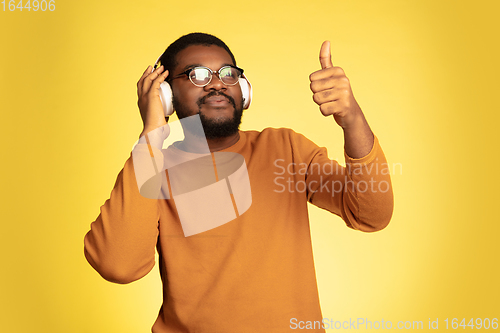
(234, 243)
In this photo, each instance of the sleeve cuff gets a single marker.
(156, 137)
(367, 158)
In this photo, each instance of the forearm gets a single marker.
(121, 243)
(360, 192)
(358, 137)
(368, 197)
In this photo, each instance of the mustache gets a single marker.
(215, 93)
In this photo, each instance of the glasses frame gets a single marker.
(187, 72)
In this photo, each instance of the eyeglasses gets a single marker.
(201, 76)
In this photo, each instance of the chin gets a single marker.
(221, 127)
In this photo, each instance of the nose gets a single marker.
(215, 83)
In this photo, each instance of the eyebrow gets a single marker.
(200, 65)
(189, 67)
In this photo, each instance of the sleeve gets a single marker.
(122, 240)
(360, 192)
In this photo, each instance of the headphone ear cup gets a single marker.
(166, 98)
(246, 91)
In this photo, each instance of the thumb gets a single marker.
(325, 55)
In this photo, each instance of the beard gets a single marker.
(214, 128)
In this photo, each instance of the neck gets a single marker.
(197, 144)
(223, 143)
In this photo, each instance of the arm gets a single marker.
(370, 208)
(360, 192)
(368, 201)
(121, 243)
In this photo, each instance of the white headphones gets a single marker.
(166, 92)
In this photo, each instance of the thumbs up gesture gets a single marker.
(332, 91)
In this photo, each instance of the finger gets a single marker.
(148, 80)
(139, 83)
(332, 72)
(326, 96)
(327, 78)
(158, 81)
(329, 108)
(147, 72)
(325, 55)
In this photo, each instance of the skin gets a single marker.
(330, 86)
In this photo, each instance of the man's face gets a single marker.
(220, 106)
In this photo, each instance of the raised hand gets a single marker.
(332, 90)
(149, 101)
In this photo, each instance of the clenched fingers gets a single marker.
(330, 95)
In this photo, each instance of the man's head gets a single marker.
(220, 106)
(169, 57)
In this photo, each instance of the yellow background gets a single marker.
(425, 72)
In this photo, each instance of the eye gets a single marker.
(229, 75)
(199, 75)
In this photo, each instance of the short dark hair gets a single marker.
(168, 58)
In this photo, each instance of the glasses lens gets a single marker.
(200, 76)
(229, 75)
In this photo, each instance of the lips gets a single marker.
(216, 100)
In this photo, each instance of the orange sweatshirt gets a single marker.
(254, 273)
